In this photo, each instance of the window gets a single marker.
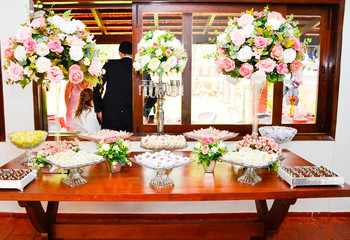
(2, 115)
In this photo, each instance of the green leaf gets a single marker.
(93, 80)
(66, 14)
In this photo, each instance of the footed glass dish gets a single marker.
(280, 134)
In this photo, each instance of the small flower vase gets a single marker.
(113, 168)
(209, 168)
(255, 89)
(291, 110)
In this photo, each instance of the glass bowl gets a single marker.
(280, 134)
(27, 140)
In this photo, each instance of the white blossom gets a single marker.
(245, 54)
(273, 23)
(289, 55)
(105, 147)
(258, 77)
(154, 64)
(76, 53)
(68, 27)
(42, 49)
(20, 53)
(43, 64)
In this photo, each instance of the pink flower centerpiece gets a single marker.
(260, 46)
(52, 47)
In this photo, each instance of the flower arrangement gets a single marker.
(260, 46)
(49, 149)
(115, 150)
(159, 52)
(208, 150)
(264, 144)
(52, 47)
(292, 99)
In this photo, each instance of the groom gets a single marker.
(114, 109)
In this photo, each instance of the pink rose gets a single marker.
(205, 141)
(55, 45)
(167, 52)
(297, 43)
(95, 68)
(296, 65)
(218, 63)
(245, 20)
(75, 74)
(23, 33)
(266, 65)
(246, 70)
(260, 42)
(205, 149)
(237, 37)
(220, 49)
(38, 23)
(111, 139)
(276, 52)
(228, 64)
(55, 74)
(155, 45)
(211, 140)
(261, 15)
(275, 15)
(75, 41)
(29, 44)
(281, 68)
(8, 53)
(15, 72)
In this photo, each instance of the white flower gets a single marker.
(145, 59)
(248, 30)
(245, 54)
(214, 149)
(258, 77)
(42, 49)
(68, 27)
(165, 66)
(105, 147)
(43, 64)
(27, 71)
(137, 66)
(222, 38)
(174, 43)
(159, 52)
(57, 20)
(20, 53)
(156, 34)
(138, 57)
(76, 53)
(172, 61)
(289, 55)
(221, 145)
(154, 64)
(87, 61)
(78, 24)
(182, 64)
(116, 148)
(198, 145)
(148, 43)
(90, 38)
(289, 30)
(273, 23)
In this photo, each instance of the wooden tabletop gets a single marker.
(191, 184)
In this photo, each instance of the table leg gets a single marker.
(39, 218)
(274, 217)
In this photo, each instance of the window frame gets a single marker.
(2, 113)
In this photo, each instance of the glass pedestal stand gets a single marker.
(151, 89)
(74, 178)
(249, 177)
(162, 180)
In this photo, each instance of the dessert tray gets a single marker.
(161, 162)
(96, 137)
(73, 161)
(210, 132)
(163, 142)
(16, 178)
(309, 176)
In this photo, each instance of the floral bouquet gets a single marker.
(264, 144)
(115, 150)
(49, 149)
(161, 53)
(259, 46)
(54, 48)
(208, 150)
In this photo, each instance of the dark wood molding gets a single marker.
(2, 110)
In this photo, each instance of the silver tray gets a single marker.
(18, 184)
(309, 181)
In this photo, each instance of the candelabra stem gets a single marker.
(160, 112)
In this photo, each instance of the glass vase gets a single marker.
(255, 89)
(113, 168)
(209, 168)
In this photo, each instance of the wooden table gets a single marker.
(132, 184)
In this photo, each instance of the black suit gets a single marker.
(116, 105)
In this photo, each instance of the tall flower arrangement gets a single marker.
(159, 52)
(52, 47)
(260, 46)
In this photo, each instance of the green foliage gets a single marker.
(208, 150)
(115, 152)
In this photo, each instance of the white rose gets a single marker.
(42, 49)
(57, 21)
(165, 66)
(20, 53)
(214, 149)
(148, 43)
(154, 64)
(273, 23)
(198, 145)
(244, 54)
(159, 52)
(43, 64)
(222, 38)
(105, 147)
(172, 61)
(116, 148)
(137, 66)
(87, 61)
(258, 77)
(248, 30)
(78, 24)
(145, 59)
(156, 34)
(68, 27)
(221, 145)
(289, 55)
(76, 53)
(90, 38)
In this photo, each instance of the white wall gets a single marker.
(332, 154)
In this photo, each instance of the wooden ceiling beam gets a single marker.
(310, 26)
(210, 21)
(99, 20)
